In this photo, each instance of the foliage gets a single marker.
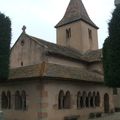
(5, 39)
(111, 51)
(92, 115)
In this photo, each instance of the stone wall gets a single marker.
(79, 36)
(32, 90)
(54, 88)
(26, 52)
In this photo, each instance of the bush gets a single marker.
(98, 114)
(111, 51)
(5, 39)
(92, 115)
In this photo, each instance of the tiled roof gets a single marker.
(75, 11)
(26, 72)
(95, 55)
(55, 71)
(60, 71)
(54, 49)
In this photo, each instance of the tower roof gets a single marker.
(75, 12)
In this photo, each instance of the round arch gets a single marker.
(4, 100)
(78, 99)
(84, 95)
(97, 99)
(61, 99)
(67, 101)
(9, 99)
(106, 103)
(89, 98)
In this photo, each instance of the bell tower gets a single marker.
(76, 29)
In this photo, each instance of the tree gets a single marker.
(111, 51)
(5, 39)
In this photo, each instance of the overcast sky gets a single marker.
(40, 16)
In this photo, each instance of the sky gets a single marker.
(40, 16)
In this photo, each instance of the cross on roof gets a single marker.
(24, 28)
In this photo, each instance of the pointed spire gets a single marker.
(75, 12)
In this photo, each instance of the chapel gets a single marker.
(62, 81)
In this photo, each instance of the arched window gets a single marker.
(9, 99)
(94, 94)
(87, 102)
(23, 100)
(78, 100)
(84, 98)
(68, 33)
(97, 99)
(106, 103)
(81, 102)
(18, 101)
(67, 101)
(4, 101)
(61, 100)
(92, 101)
(89, 99)
(68, 36)
(90, 37)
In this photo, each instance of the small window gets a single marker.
(22, 42)
(97, 99)
(81, 102)
(18, 101)
(4, 101)
(68, 33)
(90, 34)
(84, 95)
(23, 100)
(115, 92)
(61, 100)
(87, 102)
(67, 101)
(21, 63)
(89, 98)
(78, 99)
(9, 99)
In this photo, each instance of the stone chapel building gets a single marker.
(62, 81)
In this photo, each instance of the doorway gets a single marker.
(106, 103)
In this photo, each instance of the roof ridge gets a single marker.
(32, 37)
(55, 49)
(36, 40)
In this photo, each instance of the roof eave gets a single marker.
(93, 25)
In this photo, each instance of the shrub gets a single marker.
(5, 39)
